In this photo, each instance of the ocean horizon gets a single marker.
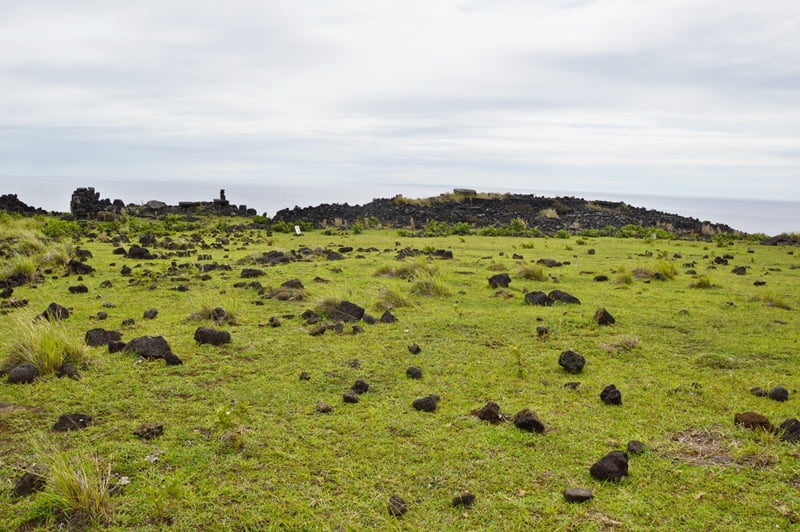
(770, 217)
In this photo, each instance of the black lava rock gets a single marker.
(413, 372)
(527, 419)
(207, 335)
(360, 386)
(611, 396)
(25, 373)
(67, 422)
(397, 506)
(613, 466)
(571, 361)
(465, 499)
(779, 393)
(578, 495)
(427, 403)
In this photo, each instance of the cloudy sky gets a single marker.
(674, 97)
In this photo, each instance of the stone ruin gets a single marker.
(86, 203)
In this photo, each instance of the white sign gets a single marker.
(297, 230)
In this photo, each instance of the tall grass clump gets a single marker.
(667, 269)
(431, 285)
(771, 299)
(702, 281)
(77, 492)
(45, 344)
(210, 307)
(531, 272)
(21, 266)
(389, 298)
(623, 276)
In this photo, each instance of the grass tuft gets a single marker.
(45, 344)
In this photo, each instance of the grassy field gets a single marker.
(244, 446)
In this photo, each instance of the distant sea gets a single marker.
(53, 194)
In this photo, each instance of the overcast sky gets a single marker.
(675, 97)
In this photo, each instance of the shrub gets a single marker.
(531, 272)
(561, 233)
(77, 493)
(45, 344)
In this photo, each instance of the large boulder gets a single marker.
(571, 361)
(207, 335)
(98, 336)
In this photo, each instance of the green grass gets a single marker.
(244, 446)
(45, 344)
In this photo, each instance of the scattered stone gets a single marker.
(97, 337)
(758, 391)
(324, 408)
(397, 506)
(125, 270)
(387, 317)
(572, 385)
(150, 313)
(779, 393)
(249, 273)
(79, 268)
(466, 500)
(613, 466)
(369, 319)
(564, 297)
(305, 376)
(274, 321)
(550, 263)
(527, 419)
(318, 330)
(347, 311)
(611, 395)
(67, 370)
(636, 447)
(600, 278)
(538, 298)
(604, 317)
(360, 387)
(25, 373)
(153, 347)
(789, 430)
(55, 312)
(500, 280)
(414, 349)
(571, 361)
(67, 422)
(350, 397)
(759, 282)
(128, 322)
(78, 289)
(30, 482)
(427, 403)
(102, 315)
(207, 335)
(149, 431)
(489, 412)
(578, 495)
(542, 331)
(138, 252)
(752, 421)
(413, 372)
(116, 347)
(294, 284)
(219, 315)
(739, 270)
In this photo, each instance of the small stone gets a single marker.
(414, 349)
(67, 370)
(779, 393)
(789, 430)
(360, 386)
(604, 317)
(636, 447)
(67, 422)
(25, 373)
(758, 391)
(350, 397)
(413, 372)
(542, 331)
(387, 317)
(397, 506)
(466, 500)
(572, 385)
(305, 376)
(358, 329)
(207, 335)
(427, 403)
(527, 419)
(571, 361)
(150, 313)
(578, 494)
(318, 330)
(30, 482)
(613, 466)
(325, 408)
(489, 412)
(611, 396)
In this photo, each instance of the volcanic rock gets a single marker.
(25, 373)
(153, 347)
(527, 419)
(249, 273)
(347, 311)
(427, 403)
(489, 412)
(79, 268)
(350, 397)
(30, 482)
(779, 393)
(611, 396)
(613, 466)
(604, 317)
(790, 430)
(387, 317)
(360, 387)
(413, 372)
(578, 495)
(465, 499)
(325, 408)
(414, 349)
(538, 298)
(78, 289)
(397, 506)
(636, 447)
(758, 391)
(150, 313)
(149, 431)
(500, 280)
(67, 422)
(571, 361)
(55, 312)
(207, 335)
(564, 297)
(98, 336)
(67, 370)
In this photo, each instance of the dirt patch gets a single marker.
(699, 446)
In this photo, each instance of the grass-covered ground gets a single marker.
(244, 447)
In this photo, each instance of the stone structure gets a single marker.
(11, 203)
(86, 203)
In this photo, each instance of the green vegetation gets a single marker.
(257, 435)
